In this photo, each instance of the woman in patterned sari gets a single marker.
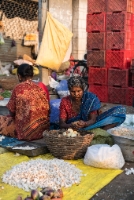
(80, 110)
(29, 109)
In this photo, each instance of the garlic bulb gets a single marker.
(70, 133)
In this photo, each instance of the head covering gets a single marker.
(77, 81)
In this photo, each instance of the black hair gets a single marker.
(25, 70)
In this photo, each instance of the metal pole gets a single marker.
(43, 7)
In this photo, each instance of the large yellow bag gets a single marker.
(55, 43)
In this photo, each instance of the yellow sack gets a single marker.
(55, 43)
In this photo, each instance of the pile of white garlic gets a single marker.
(41, 173)
(71, 133)
(124, 132)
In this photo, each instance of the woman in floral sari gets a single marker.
(80, 110)
(29, 109)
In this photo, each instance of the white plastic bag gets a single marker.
(62, 89)
(104, 156)
(53, 84)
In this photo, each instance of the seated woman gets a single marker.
(29, 108)
(80, 109)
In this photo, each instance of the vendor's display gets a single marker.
(41, 173)
(45, 194)
(125, 132)
(62, 146)
(104, 156)
(94, 179)
(124, 137)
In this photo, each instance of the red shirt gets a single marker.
(41, 85)
(31, 108)
(66, 110)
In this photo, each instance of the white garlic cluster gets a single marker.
(129, 171)
(24, 148)
(124, 132)
(41, 173)
(71, 133)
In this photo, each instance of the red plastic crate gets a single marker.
(95, 6)
(131, 78)
(117, 95)
(97, 76)
(118, 59)
(100, 91)
(96, 58)
(120, 40)
(96, 41)
(117, 77)
(129, 96)
(120, 5)
(121, 21)
(96, 22)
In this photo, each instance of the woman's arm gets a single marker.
(92, 120)
(63, 124)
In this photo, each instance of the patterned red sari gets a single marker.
(30, 106)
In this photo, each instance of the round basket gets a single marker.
(67, 148)
(8, 82)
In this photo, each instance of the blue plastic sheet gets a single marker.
(54, 110)
(8, 141)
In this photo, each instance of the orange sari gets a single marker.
(30, 106)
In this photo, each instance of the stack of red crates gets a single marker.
(110, 49)
(130, 90)
(96, 25)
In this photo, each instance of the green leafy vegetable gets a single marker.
(6, 94)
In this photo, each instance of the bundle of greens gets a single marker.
(6, 94)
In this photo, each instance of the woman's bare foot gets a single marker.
(109, 126)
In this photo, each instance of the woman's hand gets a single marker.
(78, 124)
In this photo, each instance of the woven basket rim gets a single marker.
(65, 147)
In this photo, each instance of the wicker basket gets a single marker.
(8, 82)
(67, 148)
